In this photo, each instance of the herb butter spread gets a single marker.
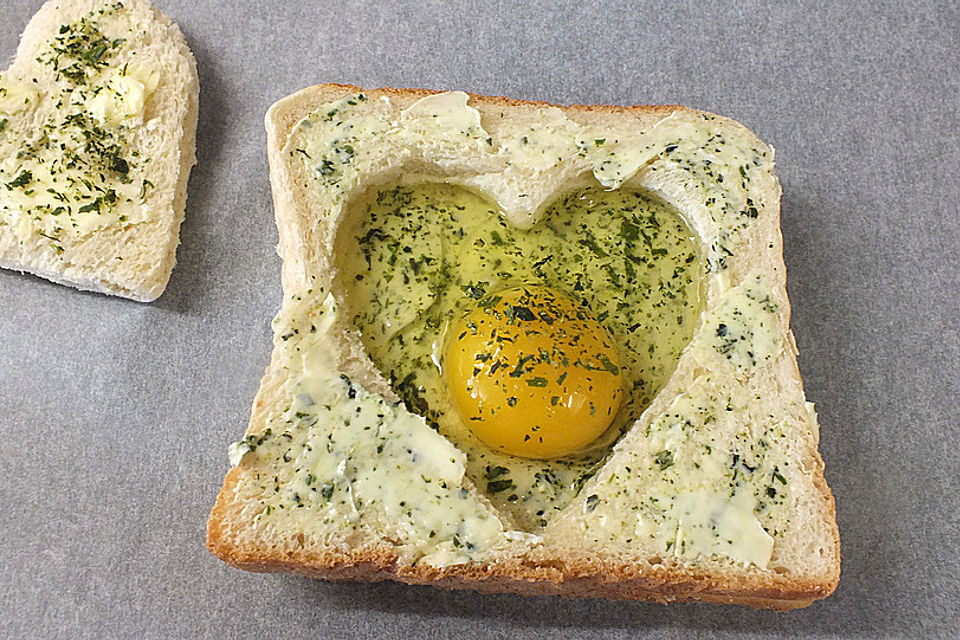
(72, 164)
(428, 211)
(709, 475)
(743, 328)
(341, 454)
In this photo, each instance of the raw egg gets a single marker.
(533, 373)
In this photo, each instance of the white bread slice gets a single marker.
(727, 416)
(122, 74)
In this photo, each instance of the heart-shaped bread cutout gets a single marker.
(97, 123)
(413, 258)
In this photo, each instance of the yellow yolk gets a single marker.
(532, 373)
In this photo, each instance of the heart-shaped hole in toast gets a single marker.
(412, 258)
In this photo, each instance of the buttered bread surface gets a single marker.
(428, 208)
(97, 119)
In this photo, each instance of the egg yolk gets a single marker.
(532, 373)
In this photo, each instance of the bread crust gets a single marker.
(569, 578)
(545, 572)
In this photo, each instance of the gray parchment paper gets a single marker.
(116, 416)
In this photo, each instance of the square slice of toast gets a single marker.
(714, 492)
